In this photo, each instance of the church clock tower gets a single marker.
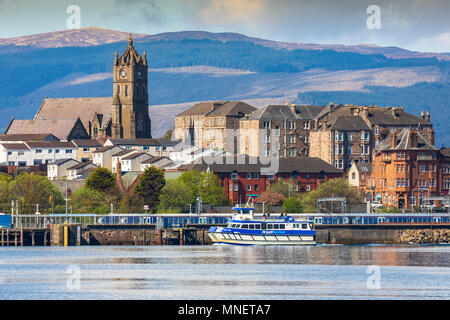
(129, 118)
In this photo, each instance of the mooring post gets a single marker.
(181, 236)
(145, 237)
(15, 237)
(203, 236)
(32, 238)
(21, 235)
(7, 237)
(2, 237)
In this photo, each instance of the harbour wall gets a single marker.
(74, 235)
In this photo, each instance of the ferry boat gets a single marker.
(245, 229)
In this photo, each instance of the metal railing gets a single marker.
(180, 220)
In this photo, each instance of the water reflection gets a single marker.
(225, 272)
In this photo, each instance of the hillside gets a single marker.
(194, 66)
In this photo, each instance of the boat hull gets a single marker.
(261, 239)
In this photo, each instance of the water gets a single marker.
(226, 272)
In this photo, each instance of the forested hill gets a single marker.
(79, 63)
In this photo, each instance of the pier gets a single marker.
(179, 229)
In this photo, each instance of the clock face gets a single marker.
(123, 73)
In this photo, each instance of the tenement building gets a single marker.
(406, 169)
(347, 133)
(213, 124)
(280, 128)
(124, 115)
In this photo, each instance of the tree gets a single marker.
(331, 188)
(31, 189)
(271, 198)
(168, 134)
(285, 187)
(292, 205)
(192, 179)
(211, 189)
(175, 195)
(101, 179)
(87, 200)
(150, 185)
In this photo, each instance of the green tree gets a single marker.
(331, 188)
(87, 200)
(101, 179)
(192, 179)
(292, 205)
(211, 189)
(150, 185)
(168, 134)
(284, 186)
(175, 195)
(31, 189)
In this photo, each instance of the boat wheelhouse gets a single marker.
(245, 229)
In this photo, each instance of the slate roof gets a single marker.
(445, 152)
(285, 165)
(61, 128)
(27, 137)
(284, 111)
(403, 142)
(61, 161)
(135, 142)
(135, 155)
(81, 165)
(363, 167)
(72, 108)
(154, 159)
(86, 143)
(350, 123)
(103, 149)
(219, 108)
(15, 146)
(50, 144)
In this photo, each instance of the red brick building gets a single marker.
(241, 181)
(406, 168)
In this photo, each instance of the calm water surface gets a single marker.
(226, 272)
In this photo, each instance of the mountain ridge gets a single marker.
(93, 36)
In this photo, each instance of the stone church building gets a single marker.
(122, 116)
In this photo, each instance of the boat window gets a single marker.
(251, 226)
(276, 226)
(304, 226)
(245, 226)
(269, 226)
(263, 226)
(257, 226)
(282, 226)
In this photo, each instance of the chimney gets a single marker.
(431, 136)
(422, 116)
(118, 170)
(394, 114)
(428, 117)
(293, 110)
(413, 139)
(393, 139)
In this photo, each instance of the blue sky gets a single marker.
(412, 24)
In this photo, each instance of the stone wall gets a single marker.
(424, 236)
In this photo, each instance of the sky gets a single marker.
(420, 25)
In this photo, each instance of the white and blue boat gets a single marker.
(245, 229)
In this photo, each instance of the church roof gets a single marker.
(71, 108)
(61, 128)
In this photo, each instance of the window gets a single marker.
(349, 150)
(38, 150)
(256, 175)
(308, 187)
(234, 176)
(249, 176)
(422, 167)
(235, 187)
(249, 187)
(68, 150)
(304, 226)
(256, 187)
(145, 148)
(85, 149)
(21, 153)
(56, 150)
(126, 91)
